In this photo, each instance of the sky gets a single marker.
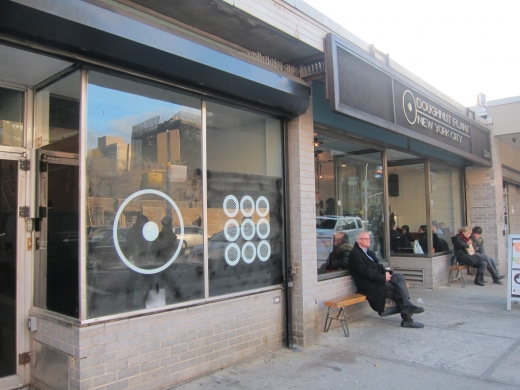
(461, 47)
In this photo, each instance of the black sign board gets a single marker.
(368, 89)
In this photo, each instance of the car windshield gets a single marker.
(325, 223)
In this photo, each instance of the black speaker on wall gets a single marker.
(393, 184)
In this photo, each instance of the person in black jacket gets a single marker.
(374, 281)
(465, 253)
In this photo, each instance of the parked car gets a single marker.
(101, 250)
(328, 226)
(193, 235)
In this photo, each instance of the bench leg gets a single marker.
(462, 281)
(343, 321)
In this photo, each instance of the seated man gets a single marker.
(478, 245)
(377, 284)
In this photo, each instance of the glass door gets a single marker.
(57, 266)
(11, 273)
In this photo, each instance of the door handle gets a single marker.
(29, 243)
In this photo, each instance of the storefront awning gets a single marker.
(89, 31)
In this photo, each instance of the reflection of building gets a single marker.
(116, 150)
(160, 139)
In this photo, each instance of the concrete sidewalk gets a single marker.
(470, 341)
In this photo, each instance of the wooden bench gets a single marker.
(341, 304)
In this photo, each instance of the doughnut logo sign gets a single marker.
(247, 206)
(150, 232)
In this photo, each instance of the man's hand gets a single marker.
(388, 276)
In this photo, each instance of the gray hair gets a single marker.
(358, 235)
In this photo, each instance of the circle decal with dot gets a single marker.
(148, 231)
(410, 111)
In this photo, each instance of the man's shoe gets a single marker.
(500, 277)
(479, 283)
(411, 324)
(498, 281)
(412, 310)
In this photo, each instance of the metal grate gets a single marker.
(413, 276)
(364, 87)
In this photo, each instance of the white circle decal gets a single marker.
(247, 206)
(150, 231)
(232, 254)
(231, 206)
(248, 229)
(262, 206)
(263, 228)
(231, 230)
(410, 112)
(249, 252)
(264, 250)
(116, 223)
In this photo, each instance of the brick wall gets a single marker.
(484, 199)
(303, 228)
(164, 349)
(435, 270)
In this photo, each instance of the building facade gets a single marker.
(175, 176)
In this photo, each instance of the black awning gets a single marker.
(106, 36)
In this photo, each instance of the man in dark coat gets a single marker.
(374, 281)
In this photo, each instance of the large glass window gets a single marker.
(57, 141)
(144, 204)
(407, 205)
(11, 117)
(446, 205)
(349, 199)
(245, 200)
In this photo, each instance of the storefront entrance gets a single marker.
(11, 271)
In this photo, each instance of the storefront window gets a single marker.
(407, 203)
(11, 117)
(446, 205)
(144, 205)
(245, 200)
(349, 199)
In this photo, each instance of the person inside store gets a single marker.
(465, 253)
(330, 207)
(439, 244)
(407, 239)
(478, 245)
(338, 258)
(377, 283)
(396, 239)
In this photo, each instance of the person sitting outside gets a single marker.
(465, 253)
(374, 281)
(478, 245)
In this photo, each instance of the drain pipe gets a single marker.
(288, 271)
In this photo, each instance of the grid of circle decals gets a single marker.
(248, 230)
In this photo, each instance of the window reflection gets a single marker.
(145, 188)
(407, 200)
(245, 200)
(447, 209)
(11, 117)
(349, 199)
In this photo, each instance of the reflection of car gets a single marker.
(329, 225)
(101, 250)
(193, 235)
